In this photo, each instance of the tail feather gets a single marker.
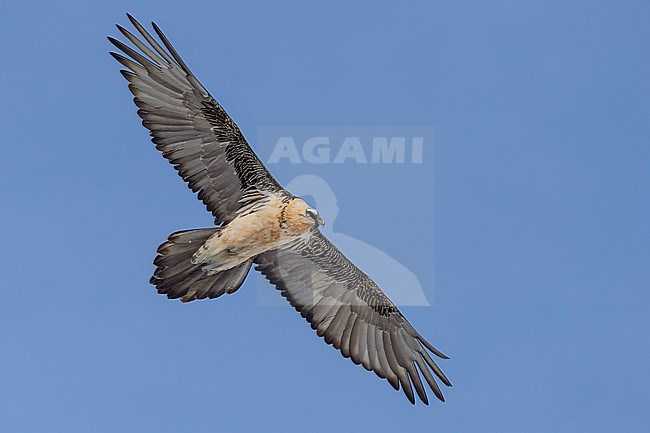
(177, 277)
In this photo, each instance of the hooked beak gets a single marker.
(320, 220)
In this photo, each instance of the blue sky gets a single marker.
(534, 236)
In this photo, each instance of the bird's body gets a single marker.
(274, 223)
(259, 222)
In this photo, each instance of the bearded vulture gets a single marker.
(259, 222)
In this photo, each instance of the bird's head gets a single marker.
(307, 213)
(314, 215)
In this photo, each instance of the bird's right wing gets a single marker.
(349, 310)
(189, 126)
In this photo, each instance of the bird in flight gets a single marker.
(259, 222)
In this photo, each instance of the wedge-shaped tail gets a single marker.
(177, 277)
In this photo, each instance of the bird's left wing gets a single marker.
(189, 126)
(349, 311)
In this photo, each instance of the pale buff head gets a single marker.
(300, 216)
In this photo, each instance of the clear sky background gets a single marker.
(541, 210)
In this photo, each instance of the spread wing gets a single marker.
(349, 310)
(189, 126)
